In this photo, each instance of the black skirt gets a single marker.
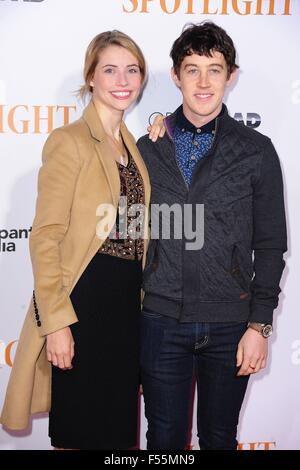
(95, 404)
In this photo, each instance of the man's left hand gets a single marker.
(252, 352)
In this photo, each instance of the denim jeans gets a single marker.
(172, 354)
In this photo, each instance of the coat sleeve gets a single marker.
(56, 186)
(269, 237)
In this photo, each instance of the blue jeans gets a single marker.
(172, 353)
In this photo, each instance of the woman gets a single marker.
(78, 353)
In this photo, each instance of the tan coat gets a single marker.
(78, 174)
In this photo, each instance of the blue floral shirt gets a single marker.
(191, 144)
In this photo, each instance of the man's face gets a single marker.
(202, 81)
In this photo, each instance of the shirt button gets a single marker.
(183, 129)
(198, 131)
(195, 143)
(39, 323)
(193, 157)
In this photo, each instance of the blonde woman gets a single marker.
(78, 354)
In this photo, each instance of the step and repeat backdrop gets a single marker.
(42, 46)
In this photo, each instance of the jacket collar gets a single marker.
(178, 118)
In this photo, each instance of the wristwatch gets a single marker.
(263, 328)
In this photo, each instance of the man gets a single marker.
(208, 309)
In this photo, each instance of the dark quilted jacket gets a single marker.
(235, 275)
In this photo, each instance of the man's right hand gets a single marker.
(60, 348)
(157, 128)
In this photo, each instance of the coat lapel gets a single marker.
(131, 145)
(102, 148)
(103, 151)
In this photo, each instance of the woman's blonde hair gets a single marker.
(97, 45)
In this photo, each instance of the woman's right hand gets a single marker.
(60, 348)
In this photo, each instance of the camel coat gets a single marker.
(77, 175)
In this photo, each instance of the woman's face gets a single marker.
(117, 79)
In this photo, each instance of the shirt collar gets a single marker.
(185, 125)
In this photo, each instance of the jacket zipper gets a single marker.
(210, 152)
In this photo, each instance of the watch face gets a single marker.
(267, 331)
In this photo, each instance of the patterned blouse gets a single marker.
(126, 239)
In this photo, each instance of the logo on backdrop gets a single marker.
(265, 445)
(9, 238)
(34, 119)
(249, 119)
(295, 97)
(6, 352)
(295, 357)
(211, 7)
